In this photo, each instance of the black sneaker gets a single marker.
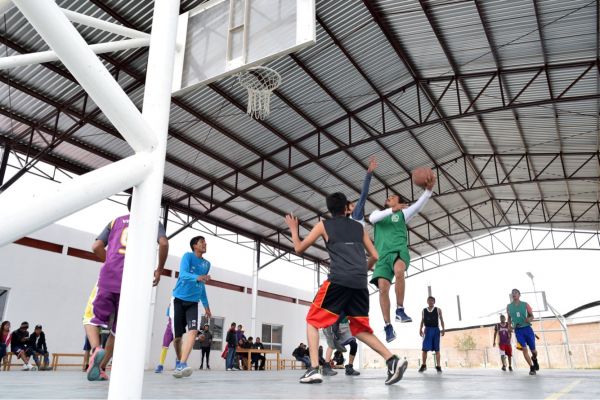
(201, 367)
(532, 370)
(327, 371)
(350, 370)
(535, 363)
(510, 368)
(504, 368)
(311, 375)
(395, 370)
(438, 369)
(423, 368)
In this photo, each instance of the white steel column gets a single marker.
(62, 37)
(255, 270)
(140, 260)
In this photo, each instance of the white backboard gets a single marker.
(222, 37)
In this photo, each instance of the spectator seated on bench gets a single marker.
(20, 346)
(301, 354)
(37, 342)
(5, 337)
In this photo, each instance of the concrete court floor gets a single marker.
(452, 384)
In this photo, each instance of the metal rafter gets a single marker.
(456, 69)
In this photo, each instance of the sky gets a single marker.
(568, 277)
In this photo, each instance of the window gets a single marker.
(272, 336)
(3, 300)
(216, 328)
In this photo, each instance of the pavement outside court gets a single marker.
(452, 384)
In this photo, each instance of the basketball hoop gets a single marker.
(260, 83)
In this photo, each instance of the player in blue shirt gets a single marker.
(189, 290)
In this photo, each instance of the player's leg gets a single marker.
(350, 371)
(324, 312)
(191, 315)
(357, 310)
(400, 288)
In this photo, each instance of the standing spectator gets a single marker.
(19, 341)
(257, 356)
(240, 333)
(205, 346)
(37, 343)
(301, 354)
(431, 317)
(231, 340)
(4, 341)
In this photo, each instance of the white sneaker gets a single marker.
(229, 369)
(25, 368)
(33, 368)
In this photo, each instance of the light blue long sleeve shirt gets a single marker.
(359, 209)
(187, 287)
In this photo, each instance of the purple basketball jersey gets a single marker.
(112, 270)
(503, 333)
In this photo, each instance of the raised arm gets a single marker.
(416, 208)
(358, 213)
(301, 245)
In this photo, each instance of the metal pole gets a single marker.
(140, 260)
(106, 26)
(458, 304)
(4, 162)
(62, 37)
(255, 270)
(26, 213)
(540, 321)
(49, 55)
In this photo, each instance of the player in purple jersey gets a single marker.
(103, 305)
(504, 332)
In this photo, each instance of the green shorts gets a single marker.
(385, 266)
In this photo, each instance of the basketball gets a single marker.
(201, 338)
(422, 175)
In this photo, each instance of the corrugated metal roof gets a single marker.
(385, 70)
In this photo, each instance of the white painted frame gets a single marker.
(145, 132)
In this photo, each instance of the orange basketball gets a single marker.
(421, 175)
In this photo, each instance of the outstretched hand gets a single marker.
(430, 183)
(292, 222)
(372, 164)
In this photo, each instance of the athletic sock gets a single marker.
(163, 355)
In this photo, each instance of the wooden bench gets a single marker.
(9, 363)
(56, 357)
(292, 364)
(268, 362)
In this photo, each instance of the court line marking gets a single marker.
(565, 390)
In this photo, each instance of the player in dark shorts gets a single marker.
(346, 290)
(431, 317)
(520, 317)
(504, 332)
(189, 290)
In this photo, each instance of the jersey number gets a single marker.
(123, 241)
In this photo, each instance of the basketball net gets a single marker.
(260, 83)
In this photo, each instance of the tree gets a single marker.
(466, 343)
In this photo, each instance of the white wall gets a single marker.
(52, 289)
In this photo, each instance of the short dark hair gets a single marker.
(336, 203)
(195, 240)
(250, 338)
(516, 290)
(38, 326)
(24, 323)
(432, 298)
(233, 324)
(129, 203)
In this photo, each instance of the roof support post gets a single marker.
(255, 270)
(134, 309)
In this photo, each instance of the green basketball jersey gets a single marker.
(518, 314)
(391, 234)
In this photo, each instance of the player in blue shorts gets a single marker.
(431, 317)
(520, 316)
